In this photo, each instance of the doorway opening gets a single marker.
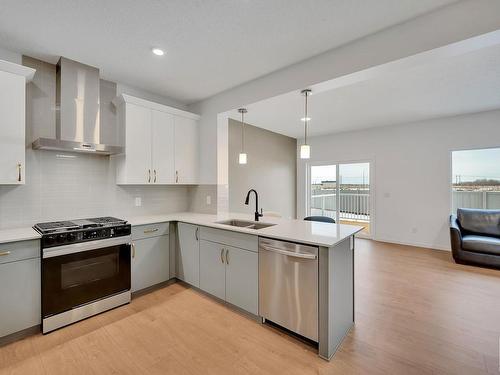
(342, 191)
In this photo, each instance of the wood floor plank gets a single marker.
(417, 312)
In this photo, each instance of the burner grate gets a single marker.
(56, 226)
(106, 220)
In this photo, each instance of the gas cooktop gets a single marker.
(67, 232)
(79, 224)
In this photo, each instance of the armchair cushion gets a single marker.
(481, 244)
(480, 221)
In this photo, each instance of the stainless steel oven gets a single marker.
(84, 278)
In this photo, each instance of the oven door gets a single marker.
(77, 274)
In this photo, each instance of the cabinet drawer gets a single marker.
(150, 230)
(12, 251)
(226, 237)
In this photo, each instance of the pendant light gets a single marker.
(305, 149)
(243, 156)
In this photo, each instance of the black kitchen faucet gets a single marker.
(257, 213)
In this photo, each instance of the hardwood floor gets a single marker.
(417, 312)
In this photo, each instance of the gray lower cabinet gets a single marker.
(230, 274)
(19, 287)
(242, 279)
(212, 268)
(188, 254)
(150, 260)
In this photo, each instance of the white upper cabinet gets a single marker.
(13, 80)
(135, 166)
(161, 143)
(186, 150)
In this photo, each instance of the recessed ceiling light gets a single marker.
(304, 119)
(158, 51)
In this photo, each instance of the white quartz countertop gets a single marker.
(307, 232)
(18, 234)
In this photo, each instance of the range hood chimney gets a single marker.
(78, 127)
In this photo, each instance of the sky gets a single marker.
(476, 164)
(350, 173)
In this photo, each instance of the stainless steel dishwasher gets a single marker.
(288, 286)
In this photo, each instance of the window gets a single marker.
(476, 179)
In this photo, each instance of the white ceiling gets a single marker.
(211, 45)
(466, 83)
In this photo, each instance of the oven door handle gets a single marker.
(85, 246)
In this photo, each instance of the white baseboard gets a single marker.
(415, 244)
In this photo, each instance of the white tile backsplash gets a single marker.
(68, 186)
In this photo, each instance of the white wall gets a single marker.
(412, 171)
(450, 24)
(271, 170)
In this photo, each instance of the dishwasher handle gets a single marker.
(288, 253)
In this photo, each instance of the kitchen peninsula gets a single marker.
(223, 260)
(335, 256)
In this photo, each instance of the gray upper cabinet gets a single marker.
(150, 256)
(188, 254)
(242, 279)
(19, 286)
(212, 265)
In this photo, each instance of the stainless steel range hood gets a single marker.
(78, 127)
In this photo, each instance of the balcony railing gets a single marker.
(475, 199)
(353, 206)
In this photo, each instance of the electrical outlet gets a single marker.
(209, 200)
(414, 230)
(138, 201)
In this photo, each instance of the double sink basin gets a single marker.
(245, 224)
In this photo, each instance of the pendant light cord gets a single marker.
(242, 132)
(305, 119)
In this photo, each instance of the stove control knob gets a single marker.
(49, 240)
(61, 238)
(71, 237)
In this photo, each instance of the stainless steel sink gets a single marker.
(245, 224)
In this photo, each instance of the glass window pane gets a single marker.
(323, 190)
(354, 203)
(476, 179)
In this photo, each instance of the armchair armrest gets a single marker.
(455, 234)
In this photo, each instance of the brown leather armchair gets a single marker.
(475, 237)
